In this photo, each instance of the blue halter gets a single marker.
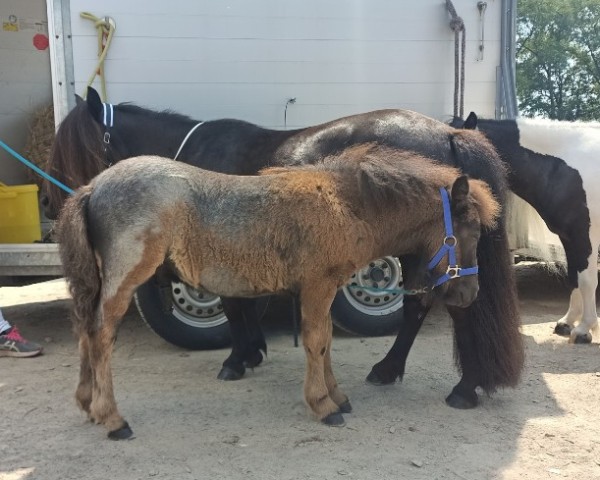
(450, 242)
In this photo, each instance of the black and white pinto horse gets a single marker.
(489, 347)
(555, 167)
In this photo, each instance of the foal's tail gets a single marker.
(79, 263)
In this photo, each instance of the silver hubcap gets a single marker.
(196, 308)
(370, 288)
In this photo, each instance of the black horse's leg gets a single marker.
(254, 311)
(463, 395)
(392, 366)
(246, 336)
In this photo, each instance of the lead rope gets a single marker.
(186, 139)
(458, 26)
(106, 28)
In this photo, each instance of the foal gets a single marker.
(309, 228)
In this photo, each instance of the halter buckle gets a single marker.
(453, 271)
(106, 137)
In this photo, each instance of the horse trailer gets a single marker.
(280, 64)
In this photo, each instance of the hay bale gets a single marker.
(39, 141)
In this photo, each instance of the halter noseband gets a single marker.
(454, 270)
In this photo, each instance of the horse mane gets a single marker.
(171, 115)
(77, 153)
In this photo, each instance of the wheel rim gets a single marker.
(369, 288)
(196, 308)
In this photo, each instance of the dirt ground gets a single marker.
(188, 425)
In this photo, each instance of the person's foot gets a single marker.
(12, 344)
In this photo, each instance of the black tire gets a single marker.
(368, 304)
(183, 316)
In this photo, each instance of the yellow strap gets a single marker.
(105, 26)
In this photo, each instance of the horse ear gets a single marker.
(78, 99)
(470, 122)
(460, 189)
(94, 104)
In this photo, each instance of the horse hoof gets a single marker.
(455, 400)
(562, 329)
(122, 433)
(346, 407)
(254, 360)
(335, 419)
(375, 379)
(583, 339)
(228, 373)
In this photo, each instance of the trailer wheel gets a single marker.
(182, 315)
(367, 304)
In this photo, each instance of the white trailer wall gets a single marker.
(25, 82)
(245, 58)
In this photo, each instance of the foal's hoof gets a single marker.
(122, 433)
(562, 329)
(461, 402)
(335, 419)
(228, 373)
(346, 407)
(375, 378)
(582, 338)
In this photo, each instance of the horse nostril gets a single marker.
(44, 201)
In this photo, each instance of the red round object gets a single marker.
(40, 41)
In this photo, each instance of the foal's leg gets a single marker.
(246, 337)
(463, 395)
(315, 301)
(393, 364)
(120, 280)
(83, 394)
(103, 408)
(339, 397)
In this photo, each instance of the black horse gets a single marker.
(489, 348)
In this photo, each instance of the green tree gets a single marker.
(558, 59)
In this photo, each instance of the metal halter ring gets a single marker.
(450, 240)
(106, 137)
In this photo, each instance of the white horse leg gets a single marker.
(588, 281)
(564, 326)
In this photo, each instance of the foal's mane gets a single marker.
(382, 173)
(387, 175)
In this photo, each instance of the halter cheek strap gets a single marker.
(448, 248)
(108, 115)
(108, 119)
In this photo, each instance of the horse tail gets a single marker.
(493, 319)
(78, 259)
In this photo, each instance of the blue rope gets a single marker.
(35, 168)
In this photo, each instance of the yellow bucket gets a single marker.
(19, 214)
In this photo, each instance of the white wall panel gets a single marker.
(245, 58)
